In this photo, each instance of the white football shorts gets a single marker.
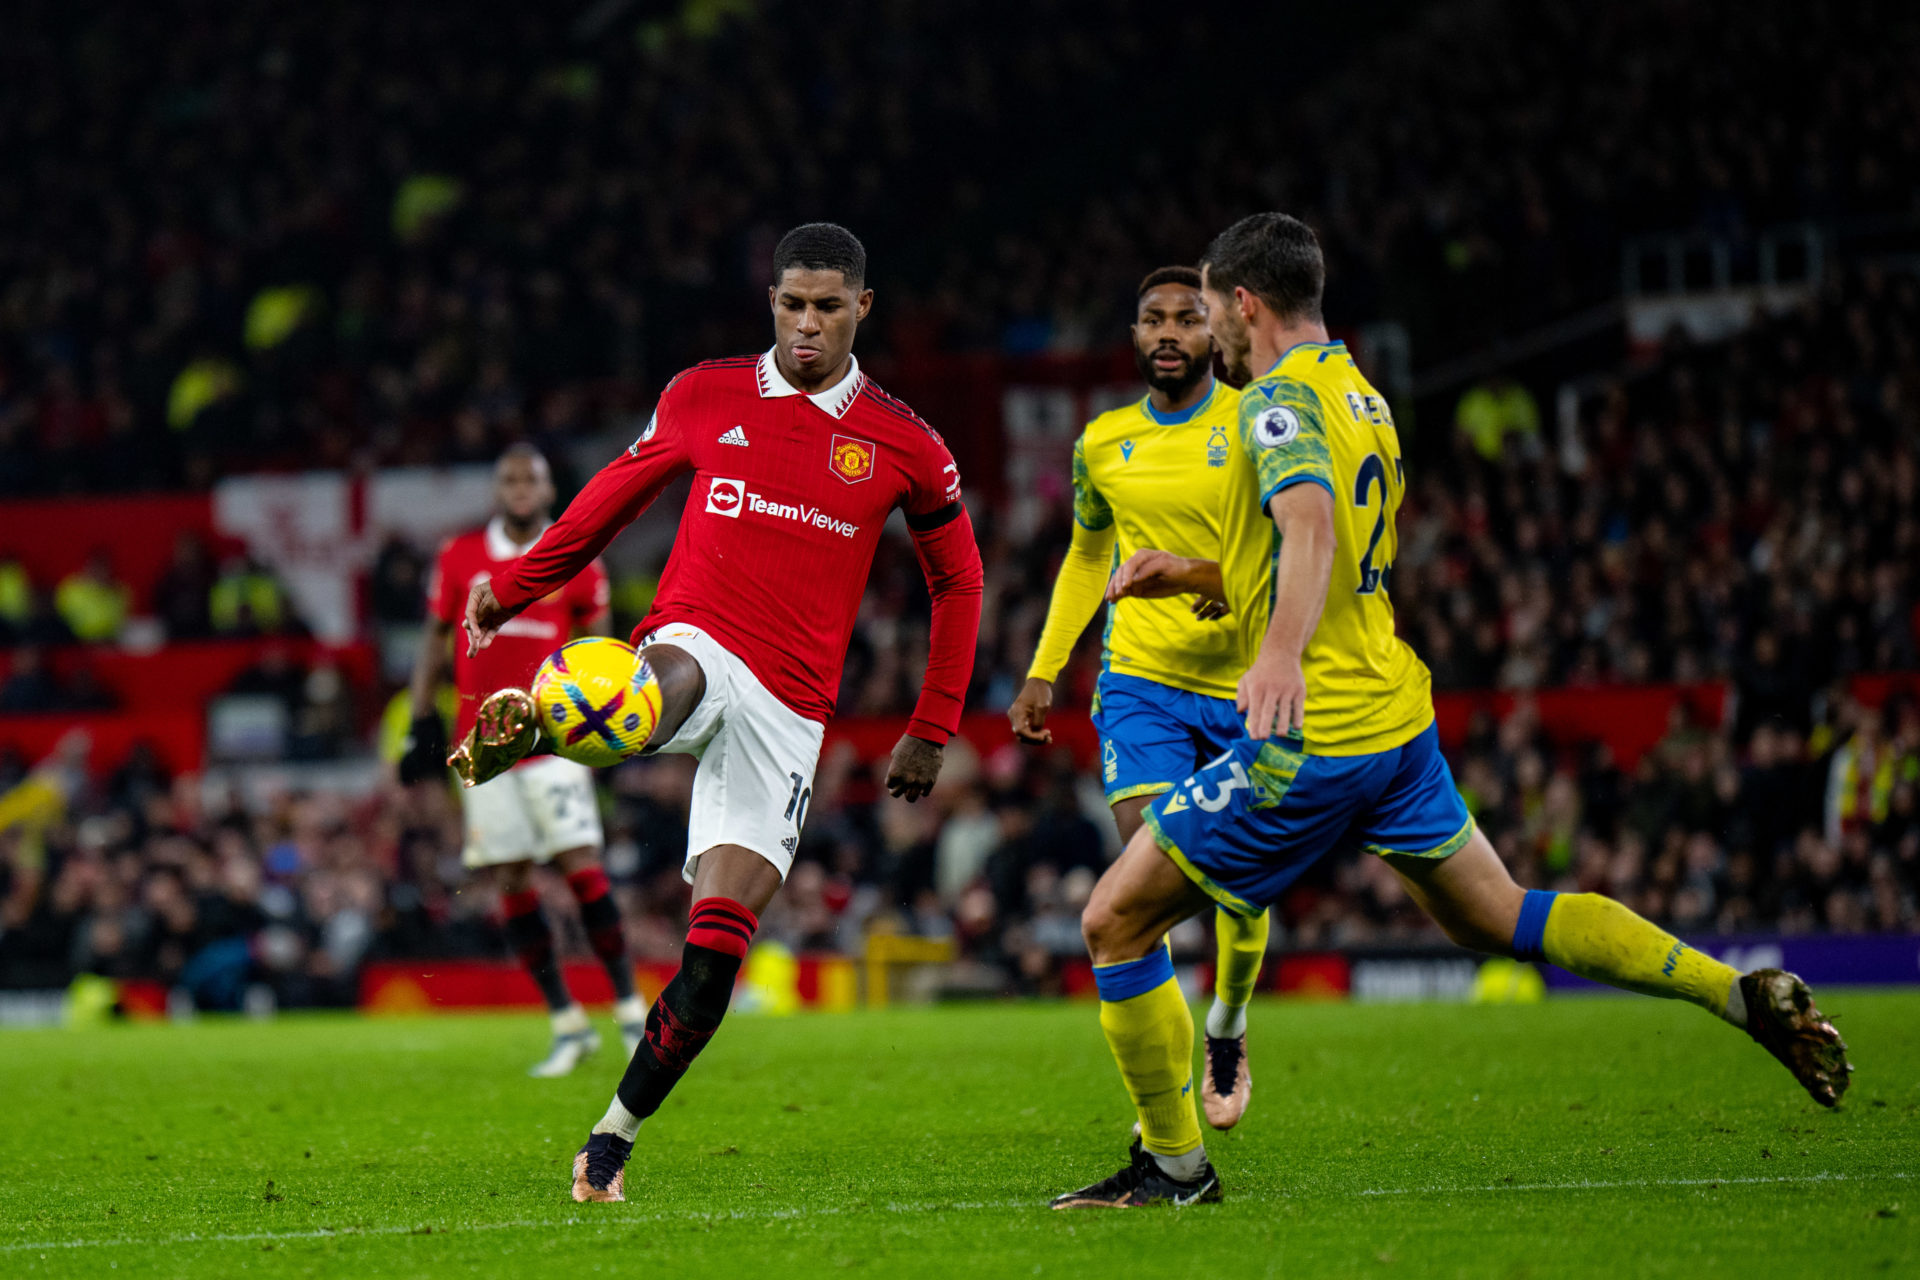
(757, 756)
(532, 811)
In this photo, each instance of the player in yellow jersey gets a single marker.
(1153, 474)
(1340, 745)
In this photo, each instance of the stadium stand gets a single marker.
(322, 271)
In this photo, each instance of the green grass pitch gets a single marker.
(1601, 1137)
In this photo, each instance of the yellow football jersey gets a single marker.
(1143, 479)
(1314, 419)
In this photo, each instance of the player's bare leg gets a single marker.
(600, 918)
(1471, 896)
(731, 887)
(531, 936)
(1149, 1028)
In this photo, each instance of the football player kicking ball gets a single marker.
(1151, 474)
(1340, 744)
(797, 461)
(543, 811)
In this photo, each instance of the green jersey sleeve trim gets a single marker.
(1090, 510)
(1284, 432)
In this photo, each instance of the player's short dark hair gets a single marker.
(1274, 257)
(822, 246)
(521, 449)
(1188, 276)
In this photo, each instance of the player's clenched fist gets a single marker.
(1273, 696)
(915, 765)
(485, 615)
(1029, 712)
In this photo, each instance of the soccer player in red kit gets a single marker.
(542, 811)
(797, 459)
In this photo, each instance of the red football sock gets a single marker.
(721, 924)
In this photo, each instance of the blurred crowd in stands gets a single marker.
(1742, 512)
(245, 235)
(136, 874)
(241, 234)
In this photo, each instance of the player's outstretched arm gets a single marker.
(1273, 691)
(1151, 574)
(617, 494)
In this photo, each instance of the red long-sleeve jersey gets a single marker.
(790, 492)
(524, 643)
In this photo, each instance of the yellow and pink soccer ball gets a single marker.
(597, 700)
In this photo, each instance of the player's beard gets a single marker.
(1172, 385)
(1235, 351)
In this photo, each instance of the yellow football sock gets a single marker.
(1597, 938)
(1242, 946)
(1150, 1030)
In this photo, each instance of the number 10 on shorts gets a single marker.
(797, 802)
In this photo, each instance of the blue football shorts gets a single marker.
(1253, 820)
(1152, 734)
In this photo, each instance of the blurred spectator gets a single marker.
(399, 587)
(30, 686)
(1495, 411)
(91, 601)
(248, 600)
(183, 597)
(16, 598)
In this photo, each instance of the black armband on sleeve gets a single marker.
(928, 521)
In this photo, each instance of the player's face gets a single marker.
(1170, 342)
(1229, 331)
(522, 488)
(815, 314)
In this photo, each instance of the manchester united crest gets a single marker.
(850, 459)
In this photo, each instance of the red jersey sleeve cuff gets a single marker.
(508, 591)
(936, 717)
(939, 734)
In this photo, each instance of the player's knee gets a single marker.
(1108, 933)
(1096, 926)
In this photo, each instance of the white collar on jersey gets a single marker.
(836, 399)
(500, 546)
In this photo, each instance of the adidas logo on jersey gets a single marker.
(790, 843)
(734, 435)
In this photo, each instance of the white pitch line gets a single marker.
(774, 1215)
(623, 1220)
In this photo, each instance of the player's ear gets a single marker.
(1243, 299)
(862, 305)
(772, 294)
